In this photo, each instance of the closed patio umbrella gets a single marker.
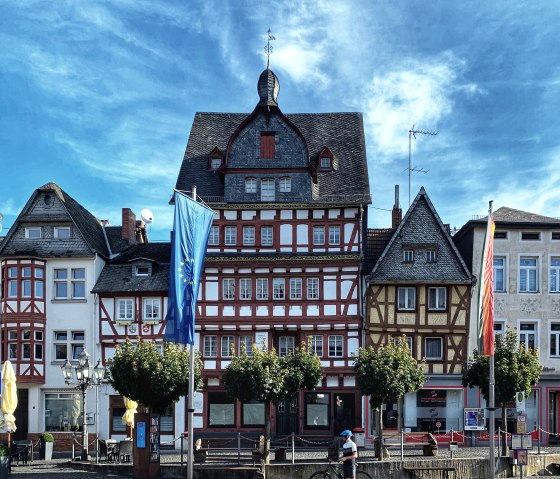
(128, 416)
(9, 397)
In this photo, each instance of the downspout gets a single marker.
(362, 300)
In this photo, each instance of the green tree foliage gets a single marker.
(152, 378)
(271, 379)
(387, 373)
(516, 370)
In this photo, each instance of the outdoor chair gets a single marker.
(125, 451)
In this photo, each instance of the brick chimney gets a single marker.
(128, 225)
(396, 214)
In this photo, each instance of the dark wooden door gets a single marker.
(22, 415)
(287, 417)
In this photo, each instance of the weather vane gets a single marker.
(268, 49)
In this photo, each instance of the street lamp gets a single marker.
(85, 377)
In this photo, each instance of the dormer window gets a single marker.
(33, 232)
(268, 144)
(215, 159)
(408, 256)
(141, 270)
(62, 232)
(431, 256)
(325, 160)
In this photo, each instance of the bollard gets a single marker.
(402, 445)
(293, 448)
(239, 448)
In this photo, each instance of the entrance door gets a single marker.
(344, 412)
(287, 417)
(22, 415)
(553, 417)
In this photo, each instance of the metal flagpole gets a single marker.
(491, 408)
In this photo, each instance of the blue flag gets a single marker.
(191, 227)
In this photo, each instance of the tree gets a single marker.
(516, 370)
(386, 374)
(154, 379)
(268, 378)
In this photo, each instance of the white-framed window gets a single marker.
(499, 328)
(334, 235)
(437, 298)
(431, 256)
(528, 335)
(262, 288)
(316, 345)
(554, 340)
(248, 235)
(245, 288)
(62, 232)
(230, 235)
(406, 297)
(12, 345)
(152, 309)
(408, 255)
(285, 184)
(38, 344)
(318, 235)
(246, 344)
(268, 191)
(214, 236)
(408, 341)
(26, 282)
(210, 348)
(335, 346)
(279, 288)
(228, 288)
(12, 282)
(499, 274)
(555, 274)
(434, 348)
(62, 410)
(296, 286)
(250, 185)
(325, 162)
(69, 284)
(215, 163)
(528, 274)
(266, 235)
(68, 344)
(33, 232)
(228, 346)
(125, 309)
(312, 288)
(286, 345)
(141, 270)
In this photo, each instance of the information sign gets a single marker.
(474, 419)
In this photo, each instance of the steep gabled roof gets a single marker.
(421, 229)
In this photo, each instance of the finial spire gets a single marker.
(268, 49)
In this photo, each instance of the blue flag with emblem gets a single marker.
(191, 228)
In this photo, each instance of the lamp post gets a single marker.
(85, 377)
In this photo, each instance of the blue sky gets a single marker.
(99, 96)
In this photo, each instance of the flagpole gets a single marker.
(491, 407)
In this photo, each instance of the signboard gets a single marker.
(521, 441)
(522, 457)
(521, 426)
(474, 419)
(140, 434)
(154, 438)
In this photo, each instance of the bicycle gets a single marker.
(334, 471)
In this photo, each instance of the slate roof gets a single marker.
(342, 133)
(420, 229)
(87, 225)
(117, 275)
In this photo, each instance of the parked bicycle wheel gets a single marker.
(362, 475)
(322, 475)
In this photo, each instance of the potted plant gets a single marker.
(4, 461)
(46, 441)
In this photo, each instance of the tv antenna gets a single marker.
(412, 133)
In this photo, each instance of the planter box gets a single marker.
(45, 450)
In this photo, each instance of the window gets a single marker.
(268, 140)
(33, 232)
(246, 344)
(555, 235)
(76, 285)
(408, 342)
(317, 407)
(12, 345)
(555, 274)
(250, 185)
(408, 255)
(252, 413)
(312, 288)
(39, 283)
(266, 236)
(68, 344)
(63, 411)
(437, 298)
(528, 275)
(210, 346)
(334, 235)
(434, 348)
(38, 345)
(228, 288)
(285, 184)
(25, 344)
(499, 274)
(12, 282)
(214, 236)
(215, 163)
(125, 310)
(245, 288)
(221, 410)
(117, 411)
(431, 256)
(335, 346)
(279, 288)
(528, 335)
(26, 282)
(530, 236)
(499, 328)
(62, 232)
(230, 235)
(268, 192)
(554, 340)
(286, 345)
(325, 162)
(319, 235)
(228, 346)
(406, 298)
(316, 345)
(500, 235)
(142, 270)
(152, 311)
(248, 235)
(262, 288)
(295, 288)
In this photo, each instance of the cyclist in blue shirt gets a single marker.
(349, 455)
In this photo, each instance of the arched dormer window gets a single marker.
(250, 185)
(325, 160)
(215, 159)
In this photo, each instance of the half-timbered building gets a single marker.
(284, 258)
(420, 287)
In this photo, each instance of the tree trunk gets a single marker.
(504, 432)
(266, 453)
(380, 442)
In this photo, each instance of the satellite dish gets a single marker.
(147, 215)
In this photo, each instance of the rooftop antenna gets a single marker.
(412, 133)
(268, 49)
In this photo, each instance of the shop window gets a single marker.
(317, 407)
(167, 421)
(62, 411)
(117, 408)
(252, 413)
(221, 410)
